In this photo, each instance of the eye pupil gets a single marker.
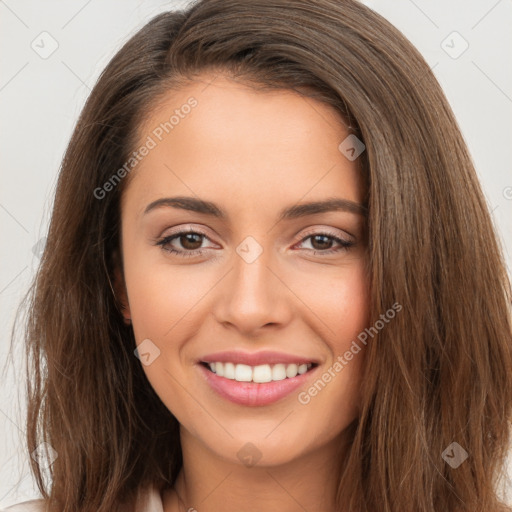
(190, 243)
(188, 239)
(327, 242)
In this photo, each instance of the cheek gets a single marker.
(350, 315)
(161, 296)
(353, 311)
(341, 308)
(349, 319)
(338, 300)
(162, 309)
(168, 305)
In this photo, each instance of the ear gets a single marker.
(120, 287)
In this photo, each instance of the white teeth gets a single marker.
(260, 374)
(243, 373)
(291, 370)
(229, 370)
(279, 372)
(303, 368)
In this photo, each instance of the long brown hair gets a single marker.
(440, 373)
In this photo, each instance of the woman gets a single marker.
(271, 280)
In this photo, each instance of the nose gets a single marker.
(252, 296)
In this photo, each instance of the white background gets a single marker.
(40, 100)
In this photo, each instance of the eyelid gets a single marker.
(334, 232)
(178, 231)
(184, 228)
(313, 231)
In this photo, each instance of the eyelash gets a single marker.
(344, 244)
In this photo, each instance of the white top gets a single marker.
(148, 500)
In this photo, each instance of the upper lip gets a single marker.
(256, 358)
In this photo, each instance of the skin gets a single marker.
(252, 153)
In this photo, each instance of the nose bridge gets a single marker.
(251, 295)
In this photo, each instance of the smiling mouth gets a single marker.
(258, 374)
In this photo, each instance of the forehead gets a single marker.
(217, 136)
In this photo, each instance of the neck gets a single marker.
(209, 483)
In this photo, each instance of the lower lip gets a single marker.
(252, 393)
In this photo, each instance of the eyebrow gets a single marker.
(292, 212)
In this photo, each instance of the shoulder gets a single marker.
(149, 499)
(26, 506)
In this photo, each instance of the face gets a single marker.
(224, 277)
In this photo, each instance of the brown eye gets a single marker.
(184, 243)
(322, 243)
(191, 241)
